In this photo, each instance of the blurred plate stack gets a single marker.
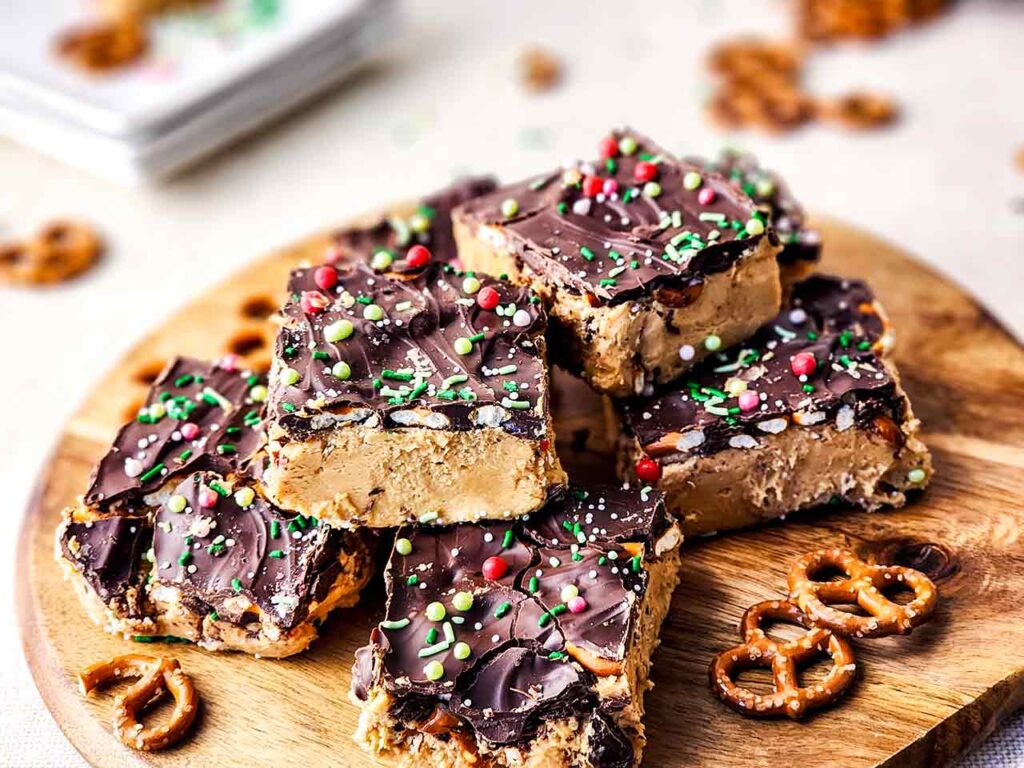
(209, 76)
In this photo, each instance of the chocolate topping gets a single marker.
(520, 650)
(214, 554)
(834, 320)
(419, 351)
(767, 188)
(602, 229)
(609, 746)
(429, 225)
(153, 449)
(108, 552)
(515, 690)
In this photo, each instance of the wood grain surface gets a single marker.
(917, 701)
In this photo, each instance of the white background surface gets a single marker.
(445, 100)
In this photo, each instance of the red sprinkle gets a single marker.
(325, 278)
(207, 498)
(644, 171)
(487, 298)
(313, 302)
(803, 364)
(418, 256)
(648, 470)
(607, 147)
(592, 186)
(334, 255)
(494, 568)
(544, 445)
(706, 196)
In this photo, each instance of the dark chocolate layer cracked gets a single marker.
(197, 416)
(503, 626)
(619, 227)
(414, 346)
(767, 188)
(210, 534)
(206, 542)
(819, 361)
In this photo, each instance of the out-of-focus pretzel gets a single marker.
(864, 585)
(156, 677)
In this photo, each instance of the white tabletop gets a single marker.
(445, 100)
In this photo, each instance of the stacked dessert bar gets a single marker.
(409, 393)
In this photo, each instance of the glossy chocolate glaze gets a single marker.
(835, 320)
(520, 666)
(623, 244)
(767, 188)
(405, 369)
(279, 562)
(109, 553)
(214, 399)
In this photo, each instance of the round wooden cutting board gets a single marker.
(917, 701)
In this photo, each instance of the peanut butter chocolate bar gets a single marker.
(521, 643)
(807, 412)
(174, 539)
(410, 392)
(648, 263)
(801, 245)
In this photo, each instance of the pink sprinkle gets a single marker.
(611, 186)
(207, 498)
(334, 255)
(229, 362)
(189, 430)
(578, 604)
(749, 401)
(706, 196)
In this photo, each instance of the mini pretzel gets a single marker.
(156, 676)
(783, 658)
(863, 586)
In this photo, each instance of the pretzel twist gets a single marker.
(864, 585)
(157, 676)
(788, 697)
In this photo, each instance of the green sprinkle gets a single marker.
(319, 355)
(387, 373)
(275, 529)
(502, 609)
(226, 449)
(476, 337)
(413, 580)
(586, 253)
(431, 636)
(236, 584)
(184, 381)
(399, 624)
(534, 584)
(151, 473)
(277, 554)
(220, 489)
(507, 540)
(184, 558)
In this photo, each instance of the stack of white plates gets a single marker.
(208, 77)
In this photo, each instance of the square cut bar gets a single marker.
(807, 412)
(525, 643)
(416, 394)
(801, 245)
(174, 540)
(647, 262)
